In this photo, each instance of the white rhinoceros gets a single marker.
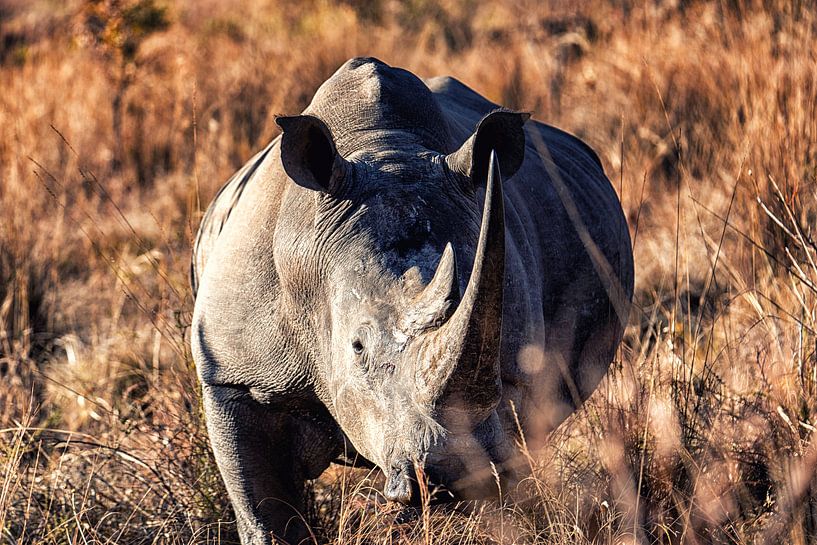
(395, 279)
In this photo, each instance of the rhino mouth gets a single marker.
(449, 481)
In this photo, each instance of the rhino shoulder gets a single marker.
(217, 214)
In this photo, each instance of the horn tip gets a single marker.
(447, 260)
(493, 163)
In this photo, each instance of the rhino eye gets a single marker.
(357, 346)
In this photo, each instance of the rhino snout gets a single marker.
(401, 483)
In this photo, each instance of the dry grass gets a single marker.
(120, 119)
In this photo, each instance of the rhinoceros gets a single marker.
(411, 277)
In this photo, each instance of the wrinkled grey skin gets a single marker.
(359, 297)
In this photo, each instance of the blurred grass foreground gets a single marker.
(119, 119)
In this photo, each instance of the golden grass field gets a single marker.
(119, 120)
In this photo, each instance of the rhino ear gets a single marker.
(500, 130)
(308, 153)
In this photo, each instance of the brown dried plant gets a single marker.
(120, 120)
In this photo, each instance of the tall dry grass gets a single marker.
(119, 119)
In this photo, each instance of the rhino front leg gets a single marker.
(264, 457)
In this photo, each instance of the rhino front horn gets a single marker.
(466, 358)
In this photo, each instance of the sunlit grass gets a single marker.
(703, 113)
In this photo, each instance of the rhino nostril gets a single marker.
(398, 485)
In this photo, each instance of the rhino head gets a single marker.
(399, 280)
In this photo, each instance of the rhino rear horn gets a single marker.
(308, 153)
(500, 131)
(437, 301)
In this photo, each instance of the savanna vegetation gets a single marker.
(120, 119)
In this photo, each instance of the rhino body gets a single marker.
(395, 280)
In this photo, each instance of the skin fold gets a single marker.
(396, 279)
